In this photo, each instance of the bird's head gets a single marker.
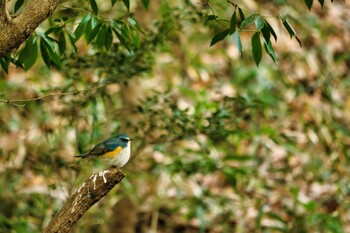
(123, 140)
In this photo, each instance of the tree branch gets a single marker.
(90, 192)
(14, 31)
(16, 101)
(5, 17)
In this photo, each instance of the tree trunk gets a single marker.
(15, 30)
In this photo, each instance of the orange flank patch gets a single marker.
(113, 153)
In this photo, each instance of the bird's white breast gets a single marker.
(122, 158)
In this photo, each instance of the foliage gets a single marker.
(99, 32)
(220, 145)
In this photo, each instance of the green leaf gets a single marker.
(101, 37)
(120, 37)
(94, 6)
(109, 38)
(4, 62)
(259, 23)
(135, 25)
(219, 36)
(126, 31)
(62, 43)
(81, 27)
(71, 38)
(25, 52)
(47, 45)
(132, 21)
(270, 51)
(94, 26)
(72, 43)
(298, 41)
(88, 27)
(273, 33)
(44, 54)
(321, 2)
(30, 61)
(145, 3)
(248, 21)
(135, 38)
(309, 3)
(233, 23)
(256, 48)
(290, 29)
(113, 2)
(53, 29)
(116, 23)
(116, 27)
(241, 14)
(266, 32)
(127, 4)
(18, 5)
(50, 41)
(29, 53)
(53, 55)
(238, 42)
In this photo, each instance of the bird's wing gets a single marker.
(102, 148)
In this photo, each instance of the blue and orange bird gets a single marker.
(115, 151)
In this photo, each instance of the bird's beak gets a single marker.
(131, 139)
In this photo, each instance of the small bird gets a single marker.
(115, 150)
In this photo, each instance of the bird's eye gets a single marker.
(125, 139)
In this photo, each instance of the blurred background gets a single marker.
(220, 145)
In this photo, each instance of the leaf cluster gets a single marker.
(239, 23)
(60, 39)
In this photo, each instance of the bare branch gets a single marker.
(90, 192)
(16, 101)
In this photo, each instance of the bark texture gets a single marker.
(90, 192)
(14, 31)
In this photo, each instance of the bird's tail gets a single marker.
(81, 156)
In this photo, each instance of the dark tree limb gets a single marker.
(14, 31)
(90, 192)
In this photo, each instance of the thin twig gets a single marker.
(251, 12)
(76, 9)
(236, 6)
(15, 101)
